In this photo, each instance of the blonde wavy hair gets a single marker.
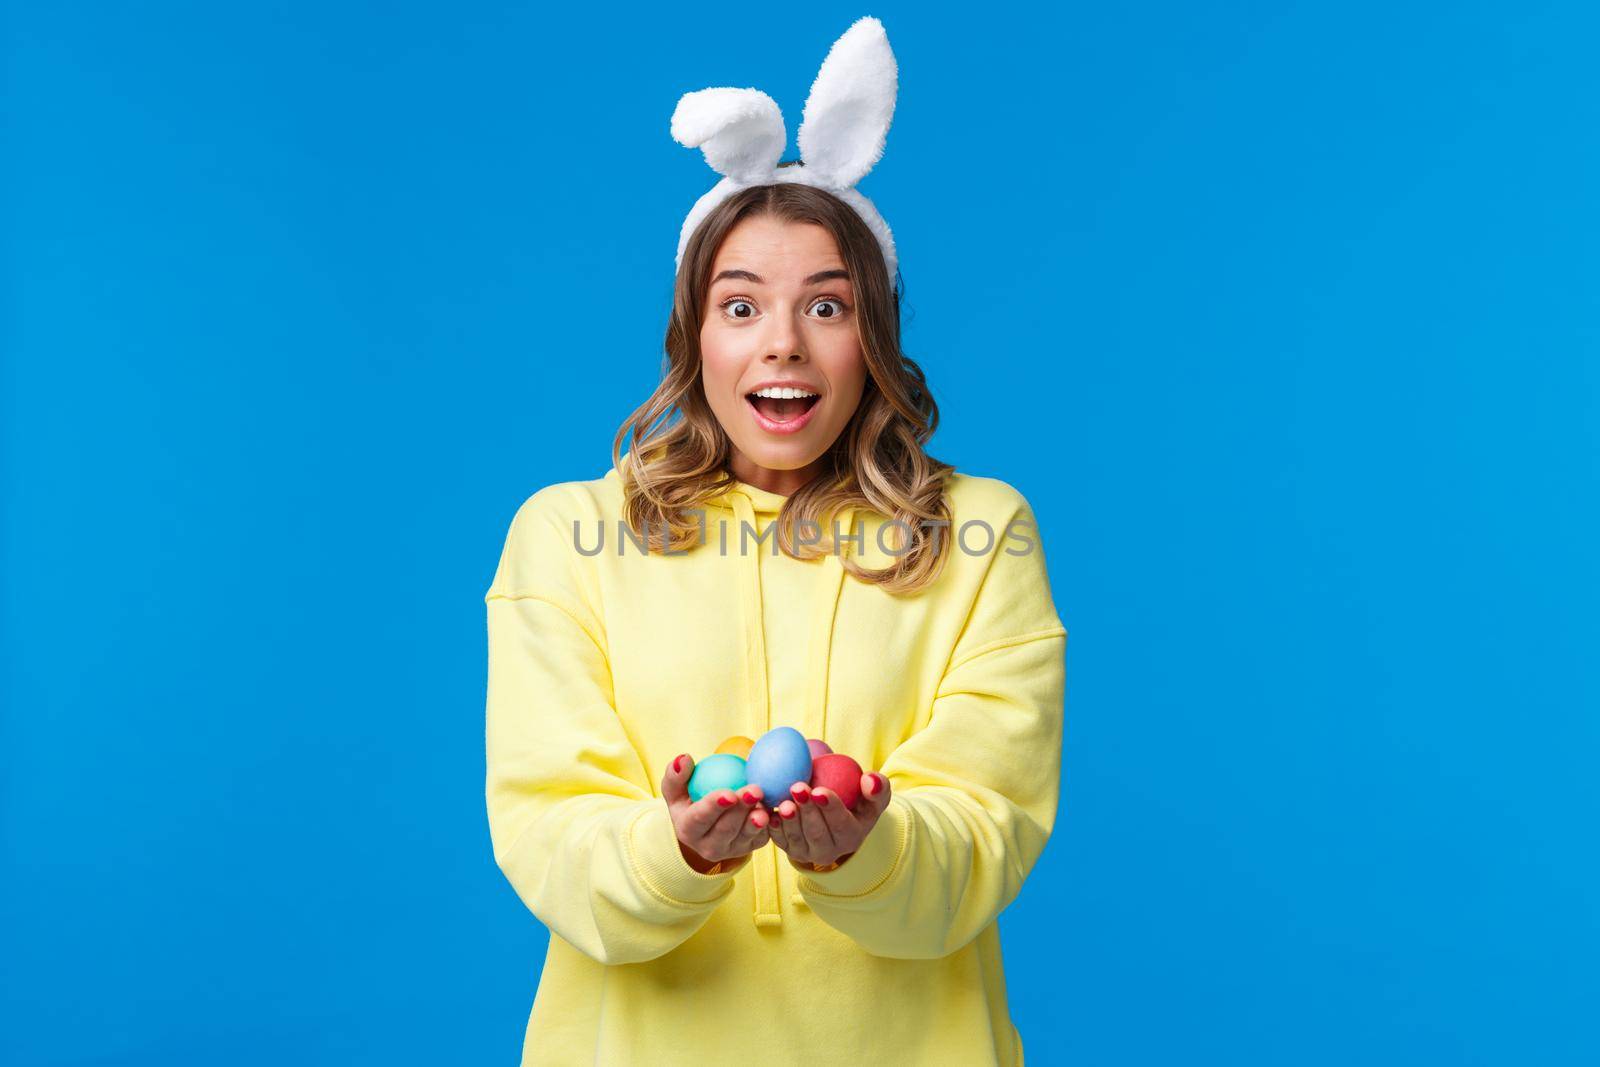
(878, 461)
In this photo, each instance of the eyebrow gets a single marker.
(749, 276)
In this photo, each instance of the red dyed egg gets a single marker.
(839, 773)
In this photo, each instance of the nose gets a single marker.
(782, 341)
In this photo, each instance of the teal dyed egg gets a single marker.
(722, 771)
(779, 758)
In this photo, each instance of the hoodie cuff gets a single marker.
(653, 842)
(876, 862)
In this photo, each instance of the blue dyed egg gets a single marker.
(779, 758)
(722, 771)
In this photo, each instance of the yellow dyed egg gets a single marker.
(737, 745)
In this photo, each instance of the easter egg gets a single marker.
(738, 745)
(779, 758)
(839, 773)
(721, 771)
(818, 748)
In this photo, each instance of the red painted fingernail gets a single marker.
(802, 798)
(876, 787)
(676, 763)
(821, 799)
(725, 800)
(791, 815)
(749, 798)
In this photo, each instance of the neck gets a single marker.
(782, 482)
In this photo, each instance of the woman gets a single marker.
(785, 553)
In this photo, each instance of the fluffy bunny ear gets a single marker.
(847, 114)
(739, 130)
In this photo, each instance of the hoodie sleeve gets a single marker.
(575, 826)
(975, 789)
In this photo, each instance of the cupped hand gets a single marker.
(815, 828)
(721, 825)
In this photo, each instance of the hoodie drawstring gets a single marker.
(764, 864)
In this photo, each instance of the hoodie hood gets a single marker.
(760, 501)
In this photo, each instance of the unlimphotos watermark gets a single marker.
(975, 537)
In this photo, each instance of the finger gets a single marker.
(753, 834)
(675, 782)
(775, 831)
(782, 825)
(701, 817)
(874, 796)
(729, 825)
(802, 831)
(814, 826)
(842, 826)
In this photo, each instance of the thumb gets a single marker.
(874, 794)
(675, 782)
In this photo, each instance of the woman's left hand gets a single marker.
(815, 828)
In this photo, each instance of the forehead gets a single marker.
(777, 249)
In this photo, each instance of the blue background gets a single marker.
(1283, 316)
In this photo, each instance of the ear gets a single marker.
(847, 114)
(739, 130)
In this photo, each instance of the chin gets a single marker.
(790, 453)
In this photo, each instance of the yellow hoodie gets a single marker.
(604, 666)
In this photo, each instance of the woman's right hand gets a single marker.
(721, 825)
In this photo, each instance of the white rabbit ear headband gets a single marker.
(842, 130)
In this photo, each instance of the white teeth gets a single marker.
(776, 393)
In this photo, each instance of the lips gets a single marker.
(782, 416)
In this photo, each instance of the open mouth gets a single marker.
(783, 411)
